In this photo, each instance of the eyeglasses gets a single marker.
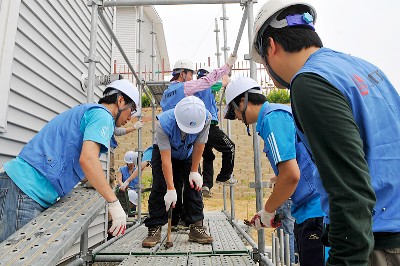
(131, 106)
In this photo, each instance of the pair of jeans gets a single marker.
(218, 140)
(287, 225)
(16, 208)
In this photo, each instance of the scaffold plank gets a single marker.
(220, 260)
(131, 243)
(45, 239)
(155, 260)
(226, 239)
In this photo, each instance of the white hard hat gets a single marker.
(267, 14)
(123, 85)
(190, 114)
(183, 64)
(240, 85)
(131, 157)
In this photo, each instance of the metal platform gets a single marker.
(45, 239)
(227, 248)
(157, 89)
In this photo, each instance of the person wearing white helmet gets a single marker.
(131, 160)
(296, 176)
(181, 134)
(347, 113)
(61, 154)
(217, 139)
(182, 85)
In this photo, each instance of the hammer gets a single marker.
(169, 243)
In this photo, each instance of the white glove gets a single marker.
(138, 124)
(195, 179)
(170, 198)
(118, 217)
(231, 60)
(262, 219)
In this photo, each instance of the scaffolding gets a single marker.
(154, 90)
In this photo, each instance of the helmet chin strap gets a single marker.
(244, 111)
(274, 75)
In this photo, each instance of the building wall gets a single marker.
(127, 32)
(41, 72)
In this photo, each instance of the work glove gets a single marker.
(265, 219)
(118, 217)
(231, 60)
(138, 124)
(170, 198)
(195, 179)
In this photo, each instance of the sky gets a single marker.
(364, 28)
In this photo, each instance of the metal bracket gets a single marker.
(97, 2)
(88, 59)
(225, 48)
(139, 51)
(247, 57)
(260, 184)
(256, 255)
(222, 18)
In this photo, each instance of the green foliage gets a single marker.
(278, 96)
(145, 101)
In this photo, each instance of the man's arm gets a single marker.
(119, 178)
(136, 172)
(286, 183)
(91, 166)
(167, 168)
(198, 149)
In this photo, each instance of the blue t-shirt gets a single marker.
(279, 134)
(97, 125)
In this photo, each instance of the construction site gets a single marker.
(58, 54)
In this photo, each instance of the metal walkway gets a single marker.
(227, 248)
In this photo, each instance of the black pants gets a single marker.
(190, 199)
(218, 140)
(308, 241)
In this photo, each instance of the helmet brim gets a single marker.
(191, 130)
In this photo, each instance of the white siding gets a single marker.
(125, 28)
(127, 32)
(51, 41)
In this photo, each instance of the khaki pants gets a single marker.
(386, 257)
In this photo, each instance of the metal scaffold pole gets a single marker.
(141, 88)
(92, 58)
(218, 54)
(256, 140)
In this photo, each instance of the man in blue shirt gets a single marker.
(61, 154)
(296, 175)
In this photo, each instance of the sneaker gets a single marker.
(197, 234)
(153, 237)
(206, 192)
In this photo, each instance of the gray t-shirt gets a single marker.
(161, 139)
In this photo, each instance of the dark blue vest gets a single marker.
(181, 149)
(376, 109)
(306, 188)
(55, 150)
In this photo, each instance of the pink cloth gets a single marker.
(193, 86)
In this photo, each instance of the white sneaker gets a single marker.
(206, 192)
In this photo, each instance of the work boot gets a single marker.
(153, 237)
(198, 234)
(206, 192)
